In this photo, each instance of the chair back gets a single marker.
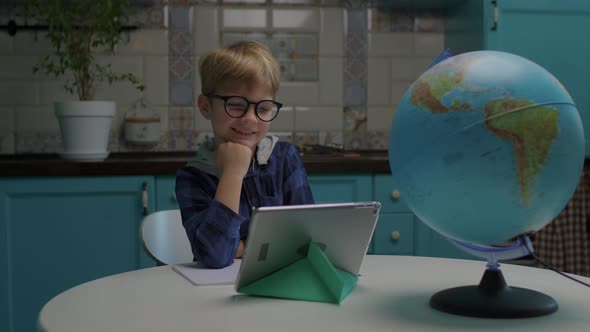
(164, 238)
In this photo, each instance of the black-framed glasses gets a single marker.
(237, 106)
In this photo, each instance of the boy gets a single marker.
(242, 167)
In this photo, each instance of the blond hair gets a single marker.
(242, 62)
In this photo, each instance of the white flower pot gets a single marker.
(85, 127)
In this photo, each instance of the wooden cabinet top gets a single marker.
(168, 163)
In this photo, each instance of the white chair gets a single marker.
(164, 238)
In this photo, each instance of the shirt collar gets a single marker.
(205, 158)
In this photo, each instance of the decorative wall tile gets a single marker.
(156, 17)
(38, 142)
(430, 21)
(305, 69)
(181, 118)
(333, 137)
(181, 93)
(355, 118)
(183, 140)
(285, 136)
(179, 18)
(149, 17)
(283, 45)
(355, 93)
(378, 139)
(355, 76)
(287, 69)
(181, 68)
(180, 61)
(181, 42)
(306, 138)
(401, 21)
(354, 140)
(325, 66)
(306, 44)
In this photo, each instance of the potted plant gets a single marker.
(78, 30)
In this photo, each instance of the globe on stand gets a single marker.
(486, 148)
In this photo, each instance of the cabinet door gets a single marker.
(430, 243)
(165, 193)
(394, 234)
(554, 35)
(341, 188)
(57, 233)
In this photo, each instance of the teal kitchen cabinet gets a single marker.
(166, 193)
(394, 234)
(325, 188)
(400, 232)
(59, 232)
(341, 188)
(551, 33)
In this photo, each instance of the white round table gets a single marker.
(392, 295)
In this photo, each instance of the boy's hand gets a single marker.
(233, 158)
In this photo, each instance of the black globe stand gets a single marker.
(493, 298)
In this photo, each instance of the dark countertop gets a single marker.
(156, 163)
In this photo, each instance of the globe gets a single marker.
(486, 146)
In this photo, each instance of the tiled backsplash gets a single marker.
(349, 98)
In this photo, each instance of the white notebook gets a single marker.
(199, 275)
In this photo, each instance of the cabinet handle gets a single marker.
(395, 194)
(395, 235)
(144, 198)
(495, 23)
(174, 196)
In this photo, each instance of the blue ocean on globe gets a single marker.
(486, 146)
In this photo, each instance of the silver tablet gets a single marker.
(280, 235)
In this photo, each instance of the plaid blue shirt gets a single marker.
(213, 229)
